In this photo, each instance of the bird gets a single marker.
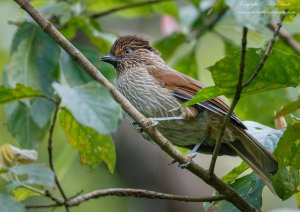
(158, 92)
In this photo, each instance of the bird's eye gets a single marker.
(128, 51)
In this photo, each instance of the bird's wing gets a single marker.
(185, 88)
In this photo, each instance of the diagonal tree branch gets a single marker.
(239, 88)
(127, 6)
(145, 123)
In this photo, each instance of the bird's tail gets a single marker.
(256, 156)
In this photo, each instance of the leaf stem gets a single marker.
(237, 96)
(50, 152)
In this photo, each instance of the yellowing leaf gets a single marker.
(92, 146)
(6, 156)
(10, 156)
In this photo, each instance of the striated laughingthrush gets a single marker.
(158, 91)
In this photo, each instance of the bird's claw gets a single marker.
(184, 165)
(138, 127)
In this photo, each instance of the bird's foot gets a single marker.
(137, 127)
(184, 165)
(190, 155)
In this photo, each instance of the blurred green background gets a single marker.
(141, 164)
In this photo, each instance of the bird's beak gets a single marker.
(110, 59)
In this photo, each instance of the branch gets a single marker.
(50, 155)
(267, 52)
(127, 192)
(140, 193)
(145, 123)
(127, 6)
(239, 88)
(286, 37)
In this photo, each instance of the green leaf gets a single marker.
(235, 173)
(9, 204)
(19, 92)
(250, 13)
(204, 95)
(22, 125)
(249, 187)
(168, 45)
(33, 175)
(92, 106)
(187, 65)
(92, 146)
(286, 180)
(34, 59)
(74, 74)
(34, 63)
(288, 108)
(280, 70)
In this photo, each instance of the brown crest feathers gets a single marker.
(133, 42)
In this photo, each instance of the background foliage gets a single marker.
(39, 77)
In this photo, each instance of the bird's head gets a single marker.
(132, 51)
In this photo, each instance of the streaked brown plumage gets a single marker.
(156, 90)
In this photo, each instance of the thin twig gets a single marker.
(16, 23)
(127, 6)
(236, 98)
(50, 153)
(267, 52)
(145, 123)
(128, 192)
(286, 37)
